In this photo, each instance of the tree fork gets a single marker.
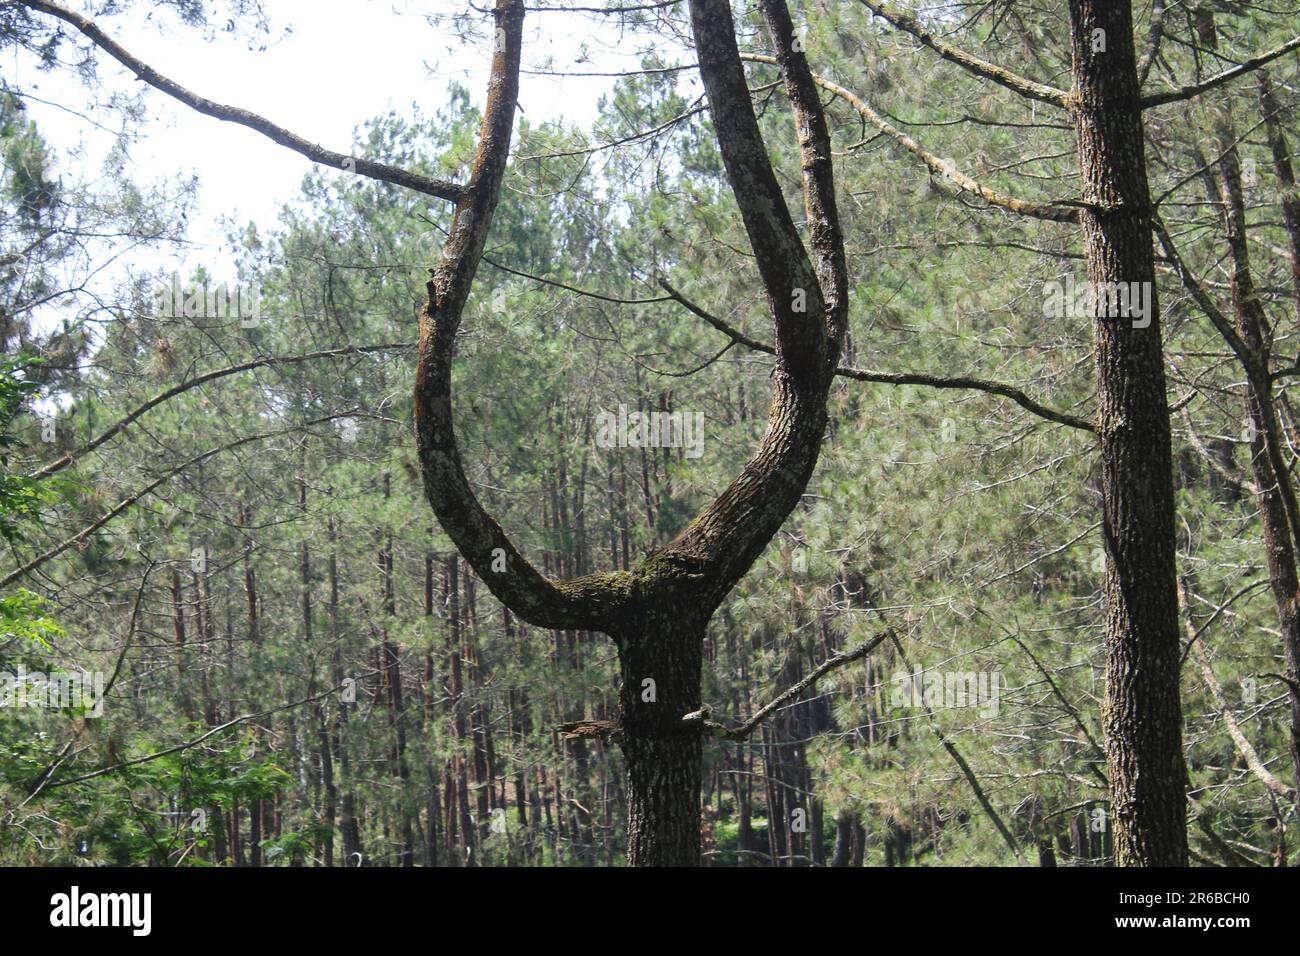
(657, 611)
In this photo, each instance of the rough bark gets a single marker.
(659, 665)
(1142, 712)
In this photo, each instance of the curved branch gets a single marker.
(970, 63)
(890, 378)
(584, 603)
(706, 560)
(783, 264)
(831, 663)
(975, 384)
(1053, 212)
(233, 114)
(194, 742)
(34, 789)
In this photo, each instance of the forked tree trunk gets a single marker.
(660, 663)
(1142, 713)
(656, 612)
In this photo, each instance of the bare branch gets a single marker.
(831, 663)
(182, 387)
(895, 378)
(960, 761)
(234, 114)
(1200, 296)
(135, 496)
(1243, 745)
(1051, 211)
(220, 728)
(1196, 89)
(970, 63)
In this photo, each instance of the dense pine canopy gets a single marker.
(834, 424)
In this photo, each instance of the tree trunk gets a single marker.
(660, 664)
(255, 825)
(1278, 511)
(1142, 714)
(353, 853)
(1290, 202)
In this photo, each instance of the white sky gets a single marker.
(344, 62)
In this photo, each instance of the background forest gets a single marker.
(301, 671)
